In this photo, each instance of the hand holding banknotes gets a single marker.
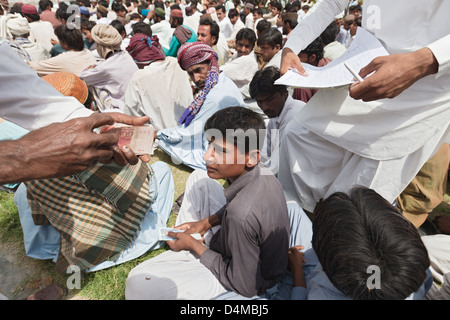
(134, 138)
(185, 241)
(65, 148)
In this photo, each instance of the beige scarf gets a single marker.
(107, 39)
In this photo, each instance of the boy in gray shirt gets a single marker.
(248, 254)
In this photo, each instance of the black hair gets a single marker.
(247, 126)
(259, 11)
(213, 27)
(116, 7)
(233, 13)
(356, 234)
(330, 33)
(264, 82)
(87, 24)
(61, 12)
(142, 27)
(315, 47)
(118, 26)
(72, 37)
(33, 17)
(246, 33)
(263, 25)
(271, 36)
(43, 4)
(277, 5)
(220, 7)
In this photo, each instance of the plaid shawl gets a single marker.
(97, 213)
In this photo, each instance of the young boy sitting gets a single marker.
(247, 251)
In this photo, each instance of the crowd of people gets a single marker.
(328, 192)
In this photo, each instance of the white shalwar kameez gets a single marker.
(336, 142)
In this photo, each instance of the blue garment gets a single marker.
(56, 50)
(188, 144)
(318, 286)
(175, 43)
(42, 242)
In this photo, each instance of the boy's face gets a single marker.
(87, 35)
(224, 160)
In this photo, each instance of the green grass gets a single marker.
(108, 284)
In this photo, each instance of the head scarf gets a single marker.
(13, 25)
(145, 49)
(192, 53)
(106, 38)
(69, 85)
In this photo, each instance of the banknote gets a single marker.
(138, 138)
(164, 237)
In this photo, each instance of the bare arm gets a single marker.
(65, 148)
(393, 74)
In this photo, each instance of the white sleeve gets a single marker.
(314, 23)
(441, 50)
(29, 101)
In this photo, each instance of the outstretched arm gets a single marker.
(64, 148)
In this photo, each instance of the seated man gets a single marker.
(243, 64)
(109, 79)
(270, 42)
(123, 218)
(164, 98)
(209, 33)
(74, 60)
(19, 28)
(75, 221)
(280, 108)
(240, 257)
(186, 143)
(181, 35)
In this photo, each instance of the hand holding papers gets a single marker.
(364, 48)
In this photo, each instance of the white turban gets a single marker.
(13, 25)
(106, 38)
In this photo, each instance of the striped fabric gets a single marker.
(96, 213)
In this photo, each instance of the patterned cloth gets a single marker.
(97, 213)
(188, 55)
(145, 49)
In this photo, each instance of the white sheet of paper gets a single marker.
(364, 48)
